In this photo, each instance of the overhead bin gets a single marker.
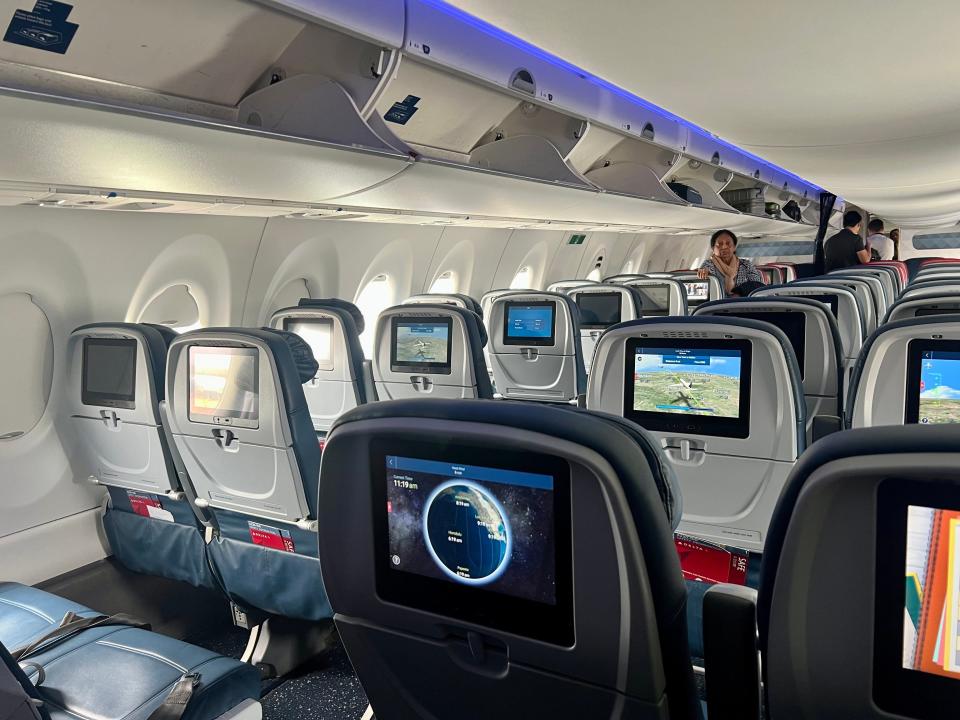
(312, 73)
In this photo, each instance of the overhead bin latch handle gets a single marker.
(522, 80)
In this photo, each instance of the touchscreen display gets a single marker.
(938, 390)
(109, 372)
(599, 310)
(421, 344)
(318, 334)
(529, 323)
(686, 380)
(656, 300)
(927, 311)
(793, 325)
(473, 526)
(697, 292)
(830, 300)
(931, 604)
(224, 385)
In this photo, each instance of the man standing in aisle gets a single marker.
(846, 248)
(881, 247)
(895, 239)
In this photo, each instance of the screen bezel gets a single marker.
(228, 419)
(933, 310)
(915, 348)
(695, 300)
(831, 300)
(738, 428)
(427, 368)
(553, 624)
(606, 294)
(896, 689)
(529, 341)
(658, 308)
(759, 316)
(101, 399)
(325, 365)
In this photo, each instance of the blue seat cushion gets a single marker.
(123, 672)
(27, 613)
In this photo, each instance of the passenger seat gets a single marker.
(118, 383)
(115, 671)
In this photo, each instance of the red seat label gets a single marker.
(270, 537)
(710, 563)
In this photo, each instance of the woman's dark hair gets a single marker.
(718, 233)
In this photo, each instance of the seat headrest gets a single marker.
(349, 307)
(307, 365)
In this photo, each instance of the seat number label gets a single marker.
(710, 563)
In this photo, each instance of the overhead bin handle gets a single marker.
(522, 80)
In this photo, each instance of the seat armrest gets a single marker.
(731, 655)
(824, 425)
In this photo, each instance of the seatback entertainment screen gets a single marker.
(109, 372)
(933, 382)
(421, 344)
(529, 323)
(832, 301)
(697, 291)
(599, 310)
(694, 386)
(656, 300)
(793, 325)
(485, 539)
(224, 385)
(318, 334)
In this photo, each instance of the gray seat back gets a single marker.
(844, 304)
(928, 289)
(921, 306)
(661, 297)
(813, 334)
(582, 604)
(458, 299)
(623, 278)
(945, 271)
(853, 588)
(867, 290)
(601, 306)
(241, 423)
(333, 335)
(723, 397)
(886, 276)
(906, 374)
(699, 291)
(117, 384)
(535, 347)
(431, 351)
(562, 286)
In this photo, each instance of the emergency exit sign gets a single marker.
(576, 239)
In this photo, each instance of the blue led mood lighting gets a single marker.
(516, 42)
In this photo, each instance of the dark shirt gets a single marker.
(840, 250)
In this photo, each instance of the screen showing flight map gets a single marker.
(688, 381)
(933, 387)
(421, 344)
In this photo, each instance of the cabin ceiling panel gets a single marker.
(845, 94)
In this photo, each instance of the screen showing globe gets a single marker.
(473, 526)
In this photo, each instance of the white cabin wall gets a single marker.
(472, 254)
(83, 266)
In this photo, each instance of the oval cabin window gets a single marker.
(522, 280)
(445, 283)
(25, 375)
(175, 307)
(375, 297)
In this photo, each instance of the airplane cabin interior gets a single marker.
(456, 359)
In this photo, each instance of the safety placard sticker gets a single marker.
(44, 28)
(270, 537)
(141, 502)
(402, 110)
(710, 563)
